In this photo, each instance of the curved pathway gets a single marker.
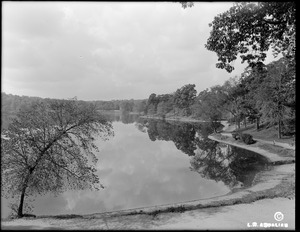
(227, 129)
(280, 144)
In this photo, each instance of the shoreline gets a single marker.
(277, 183)
(174, 118)
(256, 147)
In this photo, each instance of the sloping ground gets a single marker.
(273, 191)
(263, 141)
(218, 218)
(265, 133)
(233, 217)
(275, 153)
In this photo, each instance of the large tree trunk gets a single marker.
(245, 122)
(279, 128)
(20, 209)
(257, 123)
(25, 185)
(239, 124)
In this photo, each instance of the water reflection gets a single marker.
(183, 135)
(233, 166)
(121, 116)
(152, 162)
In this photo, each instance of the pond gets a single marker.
(155, 162)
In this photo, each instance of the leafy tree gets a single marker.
(152, 104)
(236, 99)
(184, 97)
(277, 93)
(251, 29)
(270, 93)
(251, 80)
(211, 103)
(182, 100)
(50, 147)
(139, 106)
(166, 104)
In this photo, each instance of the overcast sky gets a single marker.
(108, 50)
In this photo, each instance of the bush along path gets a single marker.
(275, 154)
(275, 143)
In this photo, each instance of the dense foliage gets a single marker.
(178, 103)
(251, 29)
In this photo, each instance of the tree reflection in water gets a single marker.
(234, 166)
(183, 134)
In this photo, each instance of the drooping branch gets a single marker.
(63, 167)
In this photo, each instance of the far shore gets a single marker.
(173, 118)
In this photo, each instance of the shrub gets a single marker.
(247, 138)
(236, 135)
(289, 127)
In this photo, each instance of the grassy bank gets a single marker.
(275, 154)
(266, 133)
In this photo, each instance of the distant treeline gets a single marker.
(122, 105)
(11, 104)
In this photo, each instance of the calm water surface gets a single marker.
(151, 162)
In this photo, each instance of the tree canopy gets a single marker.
(251, 29)
(185, 96)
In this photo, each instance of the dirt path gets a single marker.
(276, 143)
(227, 129)
(217, 218)
(232, 217)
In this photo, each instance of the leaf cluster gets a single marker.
(250, 29)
